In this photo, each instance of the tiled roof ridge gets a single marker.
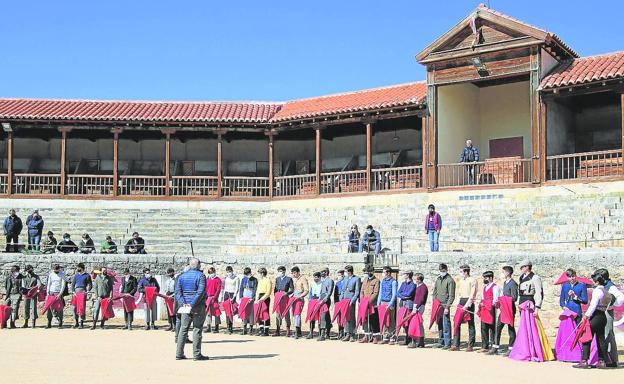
(103, 101)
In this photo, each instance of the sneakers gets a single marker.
(200, 358)
(582, 365)
(493, 351)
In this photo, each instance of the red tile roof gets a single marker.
(370, 99)
(137, 111)
(585, 70)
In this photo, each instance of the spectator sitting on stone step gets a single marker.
(135, 245)
(86, 244)
(108, 246)
(354, 239)
(67, 245)
(48, 245)
(371, 241)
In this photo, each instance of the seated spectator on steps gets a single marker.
(354, 239)
(108, 246)
(371, 241)
(48, 245)
(67, 245)
(135, 245)
(86, 244)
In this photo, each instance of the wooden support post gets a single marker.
(219, 164)
(64, 132)
(536, 157)
(116, 132)
(431, 135)
(425, 152)
(543, 150)
(622, 107)
(168, 133)
(271, 134)
(318, 161)
(369, 156)
(10, 162)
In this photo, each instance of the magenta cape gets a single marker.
(53, 303)
(460, 317)
(169, 304)
(342, 312)
(128, 303)
(565, 337)
(416, 326)
(107, 309)
(436, 312)
(296, 303)
(31, 293)
(528, 346)
(41, 296)
(280, 302)
(5, 314)
(79, 300)
(564, 279)
(212, 306)
(245, 308)
(366, 308)
(384, 317)
(150, 296)
(506, 310)
(485, 312)
(403, 318)
(230, 308)
(261, 311)
(314, 310)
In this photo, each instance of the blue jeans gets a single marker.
(33, 241)
(433, 241)
(444, 330)
(377, 246)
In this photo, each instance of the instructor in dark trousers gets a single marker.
(190, 293)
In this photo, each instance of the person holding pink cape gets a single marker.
(263, 302)
(229, 294)
(507, 305)
(149, 297)
(367, 312)
(573, 295)
(467, 291)
(102, 290)
(283, 288)
(297, 300)
(246, 295)
(213, 290)
(487, 311)
(350, 292)
(314, 300)
(80, 284)
(127, 290)
(55, 288)
(32, 283)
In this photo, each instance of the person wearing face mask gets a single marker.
(351, 292)
(617, 299)
(231, 285)
(421, 292)
(13, 289)
(67, 245)
(136, 245)
(467, 291)
(12, 229)
(286, 285)
(325, 296)
(34, 223)
(30, 281)
(433, 226)
(247, 290)
(314, 294)
(370, 294)
(444, 292)
(128, 288)
(86, 244)
(263, 295)
(48, 245)
(405, 294)
(354, 239)
(213, 290)
(487, 311)
(56, 286)
(80, 282)
(371, 241)
(102, 289)
(170, 294)
(301, 289)
(388, 297)
(150, 310)
(509, 290)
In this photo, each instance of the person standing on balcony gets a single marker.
(135, 245)
(67, 245)
(108, 246)
(470, 155)
(49, 243)
(86, 244)
(34, 223)
(12, 229)
(433, 226)
(371, 241)
(354, 239)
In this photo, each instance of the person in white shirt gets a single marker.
(488, 311)
(55, 286)
(617, 299)
(231, 285)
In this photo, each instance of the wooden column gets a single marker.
(431, 136)
(271, 149)
(536, 156)
(64, 131)
(10, 162)
(168, 132)
(543, 148)
(425, 152)
(622, 107)
(318, 161)
(219, 164)
(369, 156)
(116, 132)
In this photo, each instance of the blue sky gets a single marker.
(249, 50)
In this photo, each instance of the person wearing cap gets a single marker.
(34, 223)
(351, 291)
(13, 295)
(30, 280)
(108, 246)
(12, 229)
(86, 244)
(433, 226)
(509, 289)
(354, 239)
(371, 241)
(285, 284)
(388, 296)
(263, 294)
(467, 291)
(325, 296)
(102, 289)
(80, 282)
(444, 292)
(136, 245)
(48, 245)
(301, 290)
(370, 292)
(247, 290)
(530, 287)
(128, 288)
(67, 245)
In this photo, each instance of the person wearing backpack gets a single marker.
(470, 154)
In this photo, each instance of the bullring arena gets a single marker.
(264, 185)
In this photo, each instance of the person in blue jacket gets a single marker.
(12, 229)
(573, 295)
(34, 223)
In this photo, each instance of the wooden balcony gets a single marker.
(586, 165)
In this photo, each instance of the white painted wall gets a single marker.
(458, 120)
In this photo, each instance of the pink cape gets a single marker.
(261, 311)
(506, 310)
(342, 312)
(564, 279)
(169, 303)
(436, 312)
(245, 308)
(79, 300)
(280, 302)
(212, 306)
(53, 303)
(41, 296)
(563, 345)
(230, 308)
(528, 346)
(485, 312)
(296, 303)
(403, 317)
(106, 306)
(583, 334)
(31, 293)
(314, 308)
(128, 303)
(460, 317)
(384, 317)
(416, 326)
(5, 314)
(366, 308)
(150, 296)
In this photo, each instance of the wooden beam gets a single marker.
(432, 136)
(369, 155)
(271, 134)
(167, 163)
(425, 151)
(534, 102)
(64, 132)
(10, 163)
(219, 164)
(116, 132)
(543, 134)
(318, 161)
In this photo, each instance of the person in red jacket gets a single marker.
(213, 290)
(433, 226)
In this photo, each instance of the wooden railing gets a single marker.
(36, 184)
(586, 165)
(4, 184)
(241, 186)
(294, 185)
(89, 185)
(194, 186)
(397, 178)
(498, 171)
(343, 182)
(142, 185)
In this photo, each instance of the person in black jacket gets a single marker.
(86, 244)
(128, 288)
(67, 245)
(135, 245)
(12, 229)
(285, 284)
(510, 289)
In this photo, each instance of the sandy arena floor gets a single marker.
(113, 355)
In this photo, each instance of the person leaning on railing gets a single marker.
(108, 246)
(67, 245)
(86, 244)
(135, 245)
(48, 245)
(470, 154)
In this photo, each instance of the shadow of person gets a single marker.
(226, 341)
(232, 357)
